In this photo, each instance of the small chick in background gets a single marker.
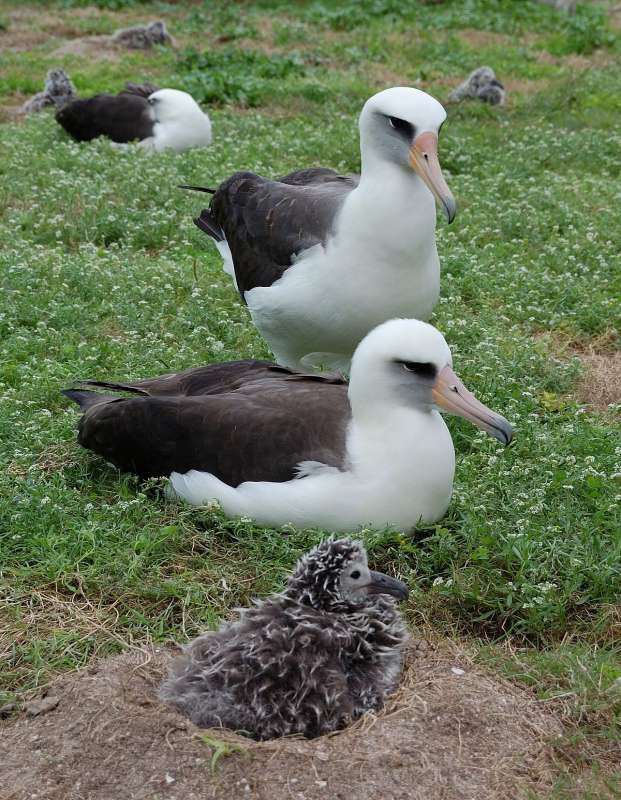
(481, 84)
(309, 660)
(143, 37)
(58, 90)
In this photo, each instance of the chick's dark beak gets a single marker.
(384, 584)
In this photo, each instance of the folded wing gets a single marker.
(268, 223)
(240, 421)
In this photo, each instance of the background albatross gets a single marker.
(281, 447)
(158, 119)
(321, 258)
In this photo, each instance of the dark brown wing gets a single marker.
(240, 421)
(267, 223)
(123, 118)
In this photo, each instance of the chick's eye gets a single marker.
(403, 127)
(355, 574)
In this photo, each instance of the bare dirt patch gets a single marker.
(524, 86)
(21, 40)
(452, 731)
(600, 383)
(100, 47)
(477, 39)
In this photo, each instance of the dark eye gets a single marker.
(355, 574)
(403, 127)
(421, 368)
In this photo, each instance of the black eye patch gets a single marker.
(423, 369)
(404, 128)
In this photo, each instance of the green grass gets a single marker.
(104, 276)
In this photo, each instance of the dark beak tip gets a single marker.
(505, 433)
(384, 584)
(450, 212)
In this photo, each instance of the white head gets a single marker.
(407, 363)
(172, 105)
(180, 124)
(401, 126)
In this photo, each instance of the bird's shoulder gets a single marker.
(268, 223)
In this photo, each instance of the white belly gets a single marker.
(331, 298)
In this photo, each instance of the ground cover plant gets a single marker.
(104, 275)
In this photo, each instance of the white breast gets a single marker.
(381, 263)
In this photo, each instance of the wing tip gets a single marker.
(86, 398)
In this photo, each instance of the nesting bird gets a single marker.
(143, 37)
(321, 258)
(57, 92)
(481, 84)
(284, 447)
(307, 661)
(158, 119)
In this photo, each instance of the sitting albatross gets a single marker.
(280, 446)
(309, 660)
(158, 119)
(320, 258)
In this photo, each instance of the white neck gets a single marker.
(391, 433)
(393, 200)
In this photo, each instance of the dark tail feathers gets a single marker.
(196, 188)
(208, 225)
(86, 399)
(206, 221)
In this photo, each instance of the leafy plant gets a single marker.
(232, 75)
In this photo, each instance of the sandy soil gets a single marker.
(452, 731)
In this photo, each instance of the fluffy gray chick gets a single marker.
(306, 661)
(58, 91)
(481, 84)
(143, 37)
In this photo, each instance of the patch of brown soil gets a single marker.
(477, 39)
(451, 732)
(599, 59)
(524, 86)
(100, 47)
(11, 112)
(383, 76)
(601, 384)
(20, 40)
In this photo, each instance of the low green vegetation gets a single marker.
(104, 276)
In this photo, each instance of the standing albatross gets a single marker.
(320, 258)
(280, 446)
